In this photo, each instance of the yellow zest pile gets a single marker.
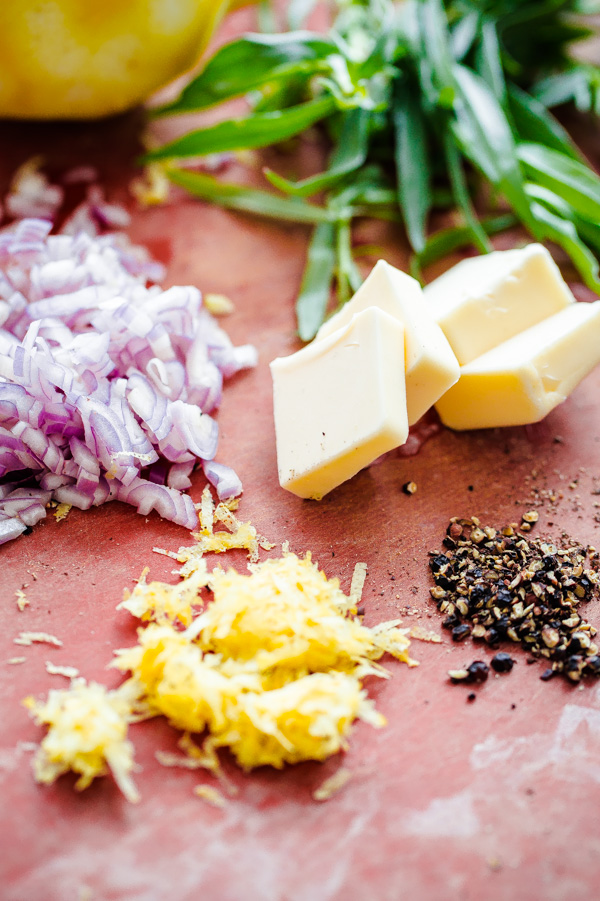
(271, 668)
(87, 734)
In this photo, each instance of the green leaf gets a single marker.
(413, 169)
(550, 200)
(250, 63)
(535, 123)
(570, 179)
(463, 34)
(564, 233)
(489, 61)
(447, 240)
(435, 42)
(315, 288)
(249, 200)
(589, 231)
(348, 277)
(350, 152)
(368, 186)
(258, 130)
(486, 139)
(461, 194)
(580, 85)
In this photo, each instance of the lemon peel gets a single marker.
(271, 668)
(74, 60)
(87, 733)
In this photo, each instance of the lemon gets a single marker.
(81, 59)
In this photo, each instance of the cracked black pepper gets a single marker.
(497, 586)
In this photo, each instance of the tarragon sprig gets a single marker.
(423, 103)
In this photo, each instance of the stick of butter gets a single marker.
(339, 403)
(431, 366)
(524, 378)
(483, 301)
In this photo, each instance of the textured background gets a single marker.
(494, 799)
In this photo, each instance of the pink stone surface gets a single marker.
(494, 800)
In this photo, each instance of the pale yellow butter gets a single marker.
(430, 365)
(521, 380)
(339, 403)
(484, 301)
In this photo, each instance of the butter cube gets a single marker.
(524, 378)
(339, 403)
(431, 366)
(483, 301)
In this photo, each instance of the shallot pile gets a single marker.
(106, 380)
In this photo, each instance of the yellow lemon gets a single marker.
(81, 59)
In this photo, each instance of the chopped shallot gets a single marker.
(107, 381)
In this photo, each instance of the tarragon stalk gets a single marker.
(423, 102)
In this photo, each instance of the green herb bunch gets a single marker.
(426, 105)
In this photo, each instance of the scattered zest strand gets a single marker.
(210, 795)
(332, 785)
(29, 638)
(69, 672)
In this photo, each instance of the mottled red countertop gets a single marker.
(494, 799)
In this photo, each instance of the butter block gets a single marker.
(521, 380)
(339, 403)
(430, 365)
(484, 301)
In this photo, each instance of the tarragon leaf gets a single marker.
(564, 233)
(349, 154)
(573, 181)
(249, 200)
(250, 63)
(447, 240)
(485, 137)
(413, 169)
(489, 61)
(461, 194)
(534, 123)
(249, 132)
(315, 288)
(580, 86)
(348, 277)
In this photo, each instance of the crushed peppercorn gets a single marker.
(499, 586)
(502, 662)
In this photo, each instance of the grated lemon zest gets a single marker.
(62, 511)
(28, 638)
(421, 634)
(162, 602)
(87, 733)
(218, 304)
(211, 795)
(152, 188)
(271, 669)
(69, 672)
(358, 580)
(334, 784)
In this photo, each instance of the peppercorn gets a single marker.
(502, 662)
(500, 585)
(459, 633)
(478, 671)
